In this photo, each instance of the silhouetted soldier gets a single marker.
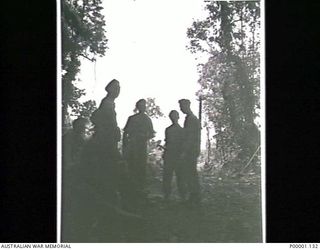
(73, 145)
(172, 157)
(105, 142)
(73, 142)
(97, 196)
(191, 150)
(137, 131)
(106, 118)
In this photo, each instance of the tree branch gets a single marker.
(234, 21)
(90, 59)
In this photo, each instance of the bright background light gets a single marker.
(148, 55)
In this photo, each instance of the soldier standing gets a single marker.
(172, 157)
(191, 150)
(98, 187)
(73, 142)
(137, 132)
(105, 141)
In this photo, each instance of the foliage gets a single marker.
(229, 80)
(83, 35)
(84, 109)
(153, 110)
(155, 153)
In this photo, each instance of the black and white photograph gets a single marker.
(160, 122)
(148, 121)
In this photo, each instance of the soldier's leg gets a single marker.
(167, 177)
(125, 187)
(181, 180)
(138, 176)
(140, 172)
(194, 185)
(132, 168)
(109, 184)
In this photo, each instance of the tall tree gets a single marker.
(83, 36)
(230, 78)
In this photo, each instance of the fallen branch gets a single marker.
(250, 160)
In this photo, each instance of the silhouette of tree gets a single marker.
(230, 79)
(83, 36)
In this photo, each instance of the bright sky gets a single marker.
(147, 54)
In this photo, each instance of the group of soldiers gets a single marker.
(96, 175)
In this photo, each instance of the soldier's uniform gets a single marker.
(172, 160)
(191, 151)
(137, 131)
(73, 144)
(105, 144)
(106, 123)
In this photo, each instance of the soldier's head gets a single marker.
(141, 105)
(185, 106)
(174, 116)
(113, 88)
(79, 125)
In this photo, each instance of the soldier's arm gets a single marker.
(118, 134)
(109, 113)
(166, 135)
(125, 135)
(111, 116)
(126, 128)
(190, 135)
(150, 132)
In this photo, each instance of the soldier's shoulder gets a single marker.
(194, 119)
(191, 117)
(134, 117)
(175, 128)
(194, 116)
(103, 101)
(145, 116)
(106, 104)
(179, 129)
(129, 120)
(169, 127)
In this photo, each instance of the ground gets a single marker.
(230, 212)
